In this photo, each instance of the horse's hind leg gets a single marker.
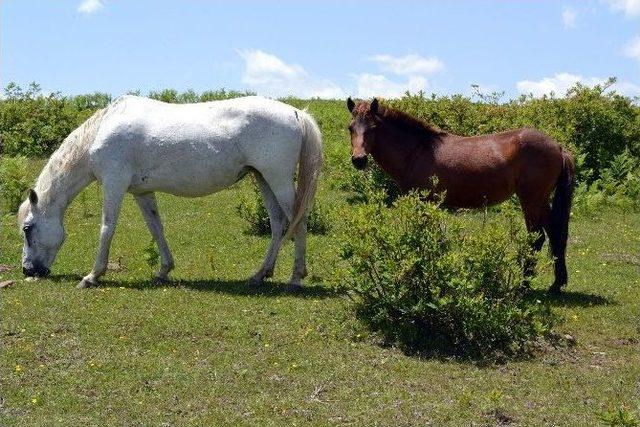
(149, 208)
(299, 264)
(536, 217)
(113, 193)
(281, 184)
(558, 245)
(277, 221)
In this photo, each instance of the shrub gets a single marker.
(619, 417)
(190, 96)
(361, 184)
(14, 182)
(618, 185)
(151, 255)
(427, 283)
(92, 101)
(32, 124)
(254, 212)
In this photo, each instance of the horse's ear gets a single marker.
(350, 104)
(374, 106)
(33, 197)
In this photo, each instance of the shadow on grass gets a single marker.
(57, 278)
(231, 287)
(568, 298)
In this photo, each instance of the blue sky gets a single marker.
(322, 48)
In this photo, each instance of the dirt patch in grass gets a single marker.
(5, 268)
(625, 258)
(499, 417)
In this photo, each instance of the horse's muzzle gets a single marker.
(359, 162)
(35, 271)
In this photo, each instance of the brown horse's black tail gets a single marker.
(559, 227)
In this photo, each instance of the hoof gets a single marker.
(555, 290)
(86, 283)
(160, 281)
(294, 288)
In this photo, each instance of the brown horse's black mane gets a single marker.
(409, 123)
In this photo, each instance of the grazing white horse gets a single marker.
(141, 146)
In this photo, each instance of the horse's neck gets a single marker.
(61, 180)
(397, 152)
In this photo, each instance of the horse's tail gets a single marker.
(559, 220)
(310, 163)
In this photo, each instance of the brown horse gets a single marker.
(473, 171)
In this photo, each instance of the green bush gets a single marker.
(32, 124)
(619, 417)
(427, 283)
(254, 212)
(618, 186)
(190, 96)
(361, 184)
(596, 124)
(14, 182)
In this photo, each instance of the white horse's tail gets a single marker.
(310, 163)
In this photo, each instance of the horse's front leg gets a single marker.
(113, 195)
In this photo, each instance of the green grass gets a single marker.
(209, 351)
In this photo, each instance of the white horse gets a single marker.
(141, 146)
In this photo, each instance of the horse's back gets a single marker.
(130, 114)
(487, 169)
(193, 149)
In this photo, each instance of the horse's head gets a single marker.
(362, 128)
(43, 236)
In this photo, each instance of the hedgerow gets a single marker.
(596, 124)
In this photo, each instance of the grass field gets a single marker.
(208, 350)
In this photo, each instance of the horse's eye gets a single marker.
(27, 228)
(350, 128)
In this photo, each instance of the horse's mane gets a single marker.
(410, 124)
(72, 149)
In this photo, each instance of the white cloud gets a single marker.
(88, 7)
(413, 68)
(263, 68)
(271, 76)
(370, 85)
(562, 82)
(632, 48)
(558, 84)
(326, 90)
(628, 7)
(408, 65)
(569, 17)
(627, 88)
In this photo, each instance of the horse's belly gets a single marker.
(194, 178)
(472, 200)
(477, 193)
